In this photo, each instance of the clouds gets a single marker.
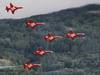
(34, 7)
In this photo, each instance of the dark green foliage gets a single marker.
(78, 57)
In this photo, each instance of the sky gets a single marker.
(36, 7)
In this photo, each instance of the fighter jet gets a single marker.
(51, 37)
(73, 35)
(12, 8)
(32, 24)
(29, 66)
(41, 52)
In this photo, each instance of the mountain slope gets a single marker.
(83, 57)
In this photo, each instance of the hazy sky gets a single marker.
(35, 7)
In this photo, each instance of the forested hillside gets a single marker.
(78, 57)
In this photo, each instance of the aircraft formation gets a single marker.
(31, 24)
(48, 38)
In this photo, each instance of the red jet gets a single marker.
(29, 66)
(32, 24)
(72, 35)
(41, 52)
(51, 37)
(12, 8)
